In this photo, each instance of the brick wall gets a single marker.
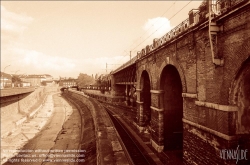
(214, 86)
(198, 147)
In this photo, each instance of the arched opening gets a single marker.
(244, 101)
(173, 108)
(146, 97)
(241, 97)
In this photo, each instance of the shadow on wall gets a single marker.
(5, 101)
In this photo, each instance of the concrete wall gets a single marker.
(26, 104)
(23, 105)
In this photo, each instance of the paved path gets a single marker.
(40, 136)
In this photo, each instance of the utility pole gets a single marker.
(130, 55)
(106, 68)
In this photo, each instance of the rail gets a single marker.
(132, 146)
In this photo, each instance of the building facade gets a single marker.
(36, 80)
(67, 82)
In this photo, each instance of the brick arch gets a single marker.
(170, 83)
(239, 95)
(232, 97)
(179, 69)
(139, 78)
(145, 96)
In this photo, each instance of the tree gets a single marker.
(16, 80)
(203, 10)
(84, 80)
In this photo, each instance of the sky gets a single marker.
(65, 38)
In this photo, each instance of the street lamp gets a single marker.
(5, 67)
(4, 72)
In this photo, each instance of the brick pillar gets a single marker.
(140, 121)
(127, 94)
(157, 123)
(117, 90)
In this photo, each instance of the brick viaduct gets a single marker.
(193, 85)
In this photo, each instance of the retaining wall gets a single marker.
(17, 112)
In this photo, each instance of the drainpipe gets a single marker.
(212, 31)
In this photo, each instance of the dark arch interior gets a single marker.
(146, 96)
(245, 119)
(173, 108)
(242, 96)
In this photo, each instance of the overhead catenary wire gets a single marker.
(148, 30)
(155, 22)
(162, 25)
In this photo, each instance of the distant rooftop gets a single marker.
(6, 75)
(35, 76)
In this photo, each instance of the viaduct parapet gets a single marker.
(192, 86)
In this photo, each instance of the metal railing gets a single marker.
(196, 17)
(128, 63)
(222, 6)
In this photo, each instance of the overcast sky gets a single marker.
(64, 38)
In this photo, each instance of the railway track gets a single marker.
(86, 142)
(132, 146)
(127, 111)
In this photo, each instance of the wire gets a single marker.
(147, 31)
(163, 24)
(154, 22)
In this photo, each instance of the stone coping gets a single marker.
(219, 134)
(157, 91)
(227, 108)
(157, 109)
(190, 95)
(139, 102)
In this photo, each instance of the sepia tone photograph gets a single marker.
(125, 82)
